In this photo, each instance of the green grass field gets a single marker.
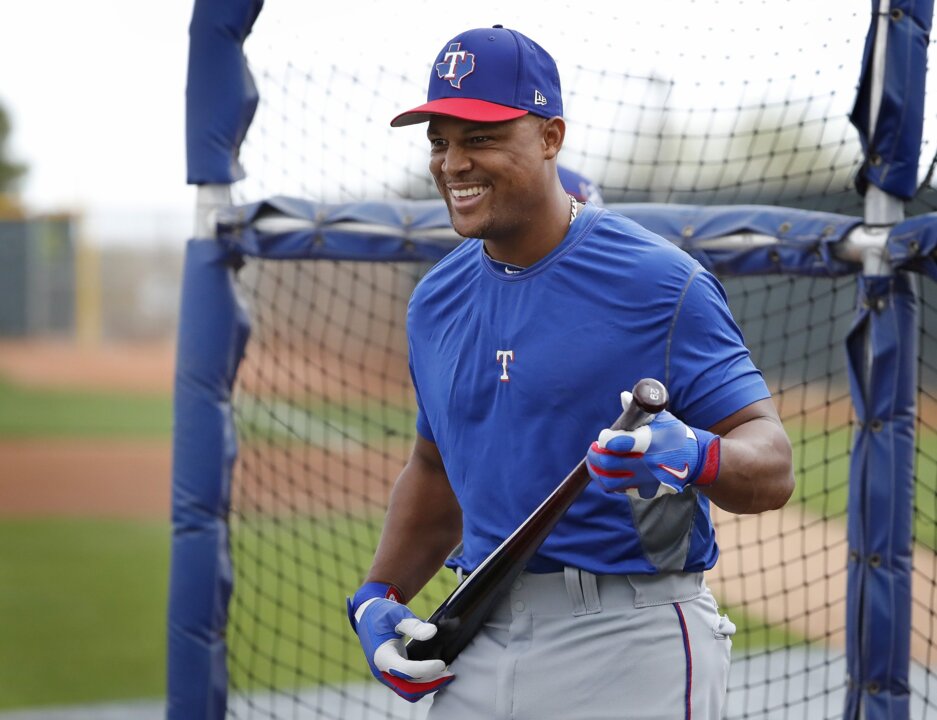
(822, 460)
(37, 413)
(294, 575)
(83, 601)
(320, 423)
(83, 604)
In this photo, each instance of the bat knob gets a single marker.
(650, 395)
(648, 398)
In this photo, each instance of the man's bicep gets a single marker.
(423, 522)
(425, 484)
(428, 456)
(759, 410)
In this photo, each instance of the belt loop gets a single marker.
(582, 590)
(590, 592)
(574, 590)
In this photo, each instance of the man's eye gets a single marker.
(437, 143)
(480, 138)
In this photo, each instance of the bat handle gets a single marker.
(648, 398)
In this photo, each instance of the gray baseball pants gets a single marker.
(578, 646)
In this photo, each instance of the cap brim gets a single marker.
(462, 108)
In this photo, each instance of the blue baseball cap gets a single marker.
(489, 75)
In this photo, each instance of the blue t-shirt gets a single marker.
(516, 372)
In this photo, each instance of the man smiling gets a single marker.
(521, 341)
(496, 189)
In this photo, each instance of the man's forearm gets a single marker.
(755, 471)
(423, 525)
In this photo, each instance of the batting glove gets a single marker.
(660, 458)
(381, 622)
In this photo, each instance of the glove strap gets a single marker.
(369, 590)
(709, 458)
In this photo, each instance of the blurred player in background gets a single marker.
(579, 186)
(521, 342)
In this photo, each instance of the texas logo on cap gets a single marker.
(489, 75)
(456, 64)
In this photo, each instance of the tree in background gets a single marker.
(10, 172)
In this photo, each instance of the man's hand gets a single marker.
(381, 622)
(660, 458)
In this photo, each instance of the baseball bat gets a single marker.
(460, 616)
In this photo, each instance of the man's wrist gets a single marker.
(369, 591)
(710, 458)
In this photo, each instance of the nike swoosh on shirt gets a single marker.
(679, 474)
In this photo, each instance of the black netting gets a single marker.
(696, 104)
(924, 530)
(326, 418)
(782, 575)
(747, 104)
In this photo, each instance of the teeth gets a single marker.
(467, 192)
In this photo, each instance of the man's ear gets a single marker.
(554, 132)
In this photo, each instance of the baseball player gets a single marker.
(578, 186)
(521, 341)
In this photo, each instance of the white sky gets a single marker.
(96, 88)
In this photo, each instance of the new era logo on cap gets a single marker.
(490, 75)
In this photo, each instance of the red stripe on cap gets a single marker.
(462, 108)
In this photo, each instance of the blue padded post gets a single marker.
(213, 331)
(890, 124)
(882, 360)
(220, 93)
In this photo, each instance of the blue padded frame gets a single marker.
(221, 99)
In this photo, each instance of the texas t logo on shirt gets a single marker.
(503, 357)
(457, 64)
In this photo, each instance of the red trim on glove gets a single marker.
(710, 470)
(412, 690)
(611, 473)
(596, 448)
(393, 593)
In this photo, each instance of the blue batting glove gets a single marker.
(381, 622)
(660, 458)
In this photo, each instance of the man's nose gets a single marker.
(456, 160)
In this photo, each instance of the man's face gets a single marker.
(493, 176)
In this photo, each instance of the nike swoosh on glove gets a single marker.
(381, 624)
(660, 458)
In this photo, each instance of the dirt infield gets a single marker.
(127, 479)
(91, 478)
(141, 367)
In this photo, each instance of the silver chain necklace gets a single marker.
(573, 212)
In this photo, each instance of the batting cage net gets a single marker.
(726, 130)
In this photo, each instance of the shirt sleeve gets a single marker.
(709, 371)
